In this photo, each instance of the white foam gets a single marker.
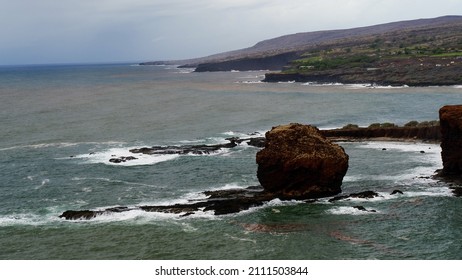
(250, 82)
(241, 239)
(141, 159)
(44, 182)
(358, 86)
(349, 210)
(229, 186)
(185, 70)
(402, 146)
(315, 84)
(140, 216)
(28, 219)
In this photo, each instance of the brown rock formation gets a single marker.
(451, 140)
(299, 162)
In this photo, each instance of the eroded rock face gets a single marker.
(299, 162)
(451, 140)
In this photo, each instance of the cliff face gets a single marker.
(394, 70)
(275, 62)
(451, 141)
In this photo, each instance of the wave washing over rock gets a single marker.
(298, 162)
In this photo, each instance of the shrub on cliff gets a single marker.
(350, 126)
(412, 124)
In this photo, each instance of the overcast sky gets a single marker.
(80, 31)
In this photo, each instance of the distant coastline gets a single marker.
(424, 52)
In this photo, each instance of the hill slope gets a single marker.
(415, 52)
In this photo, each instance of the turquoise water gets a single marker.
(60, 125)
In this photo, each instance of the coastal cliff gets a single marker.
(451, 142)
(429, 132)
(385, 71)
(270, 62)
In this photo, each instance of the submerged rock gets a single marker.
(362, 208)
(396, 192)
(122, 159)
(298, 162)
(365, 194)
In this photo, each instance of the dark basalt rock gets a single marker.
(457, 191)
(365, 194)
(258, 142)
(181, 150)
(424, 133)
(221, 202)
(80, 215)
(190, 149)
(198, 149)
(122, 159)
(362, 208)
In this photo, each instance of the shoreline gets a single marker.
(383, 139)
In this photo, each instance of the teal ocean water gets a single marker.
(60, 125)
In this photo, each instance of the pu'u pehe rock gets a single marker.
(451, 140)
(299, 162)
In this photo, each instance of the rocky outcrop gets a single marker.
(189, 149)
(220, 202)
(365, 194)
(424, 133)
(302, 163)
(183, 150)
(451, 140)
(299, 162)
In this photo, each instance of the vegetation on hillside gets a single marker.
(416, 57)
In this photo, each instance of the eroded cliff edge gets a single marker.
(451, 142)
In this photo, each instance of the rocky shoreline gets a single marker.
(375, 77)
(301, 162)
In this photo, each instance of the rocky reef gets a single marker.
(426, 131)
(299, 162)
(221, 202)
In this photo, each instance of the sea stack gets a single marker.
(451, 140)
(298, 162)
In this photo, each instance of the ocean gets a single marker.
(61, 124)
